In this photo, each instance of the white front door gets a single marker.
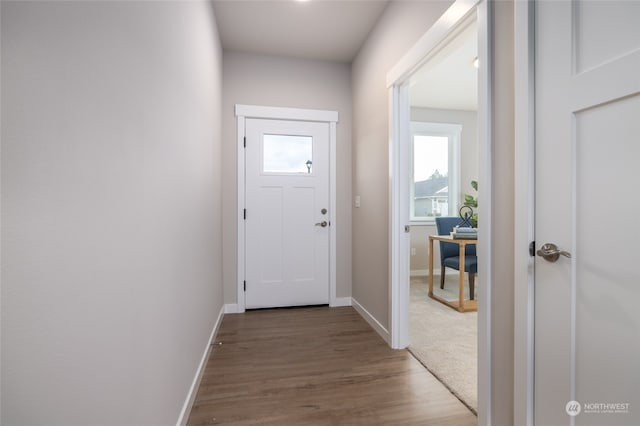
(287, 213)
(587, 316)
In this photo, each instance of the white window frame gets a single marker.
(453, 133)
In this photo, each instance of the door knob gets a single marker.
(323, 224)
(551, 253)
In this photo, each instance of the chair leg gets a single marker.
(472, 278)
(442, 268)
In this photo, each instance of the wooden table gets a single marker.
(462, 305)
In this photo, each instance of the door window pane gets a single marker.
(287, 154)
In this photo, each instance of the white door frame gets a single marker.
(397, 82)
(293, 114)
(524, 221)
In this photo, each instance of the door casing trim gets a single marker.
(524, 211)
(243, 112)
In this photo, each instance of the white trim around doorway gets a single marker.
(397, 82)
(524, 226)
(295, 114)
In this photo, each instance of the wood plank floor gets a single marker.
(316, 366)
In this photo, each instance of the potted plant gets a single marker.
(471, 201)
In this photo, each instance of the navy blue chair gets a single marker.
(450, 253)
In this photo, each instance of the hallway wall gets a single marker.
(285, 82)
(111, 229)
(401, 25)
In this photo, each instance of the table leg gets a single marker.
(461, 289)
(431, 266)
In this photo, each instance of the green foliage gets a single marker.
(471, 201)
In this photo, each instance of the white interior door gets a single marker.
(287, 213)
(587, 321)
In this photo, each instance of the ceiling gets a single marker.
(334, 30)
(449, 80)
(329, 30)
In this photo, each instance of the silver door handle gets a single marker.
(551, 253)
(324, 224)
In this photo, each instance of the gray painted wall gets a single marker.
(111, 224)
(285, 82)
(401, 25)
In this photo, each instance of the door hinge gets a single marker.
(245, 141)
(245, 285)
(244, 214)
(532, 248)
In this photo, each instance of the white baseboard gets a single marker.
(232, 308)
(379, 328)
(193, 390)
(341, 301)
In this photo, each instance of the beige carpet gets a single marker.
(445, 340)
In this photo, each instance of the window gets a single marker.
(435, 170)
(287, 154)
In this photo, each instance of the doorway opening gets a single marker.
(443, 101)
(415, 201)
